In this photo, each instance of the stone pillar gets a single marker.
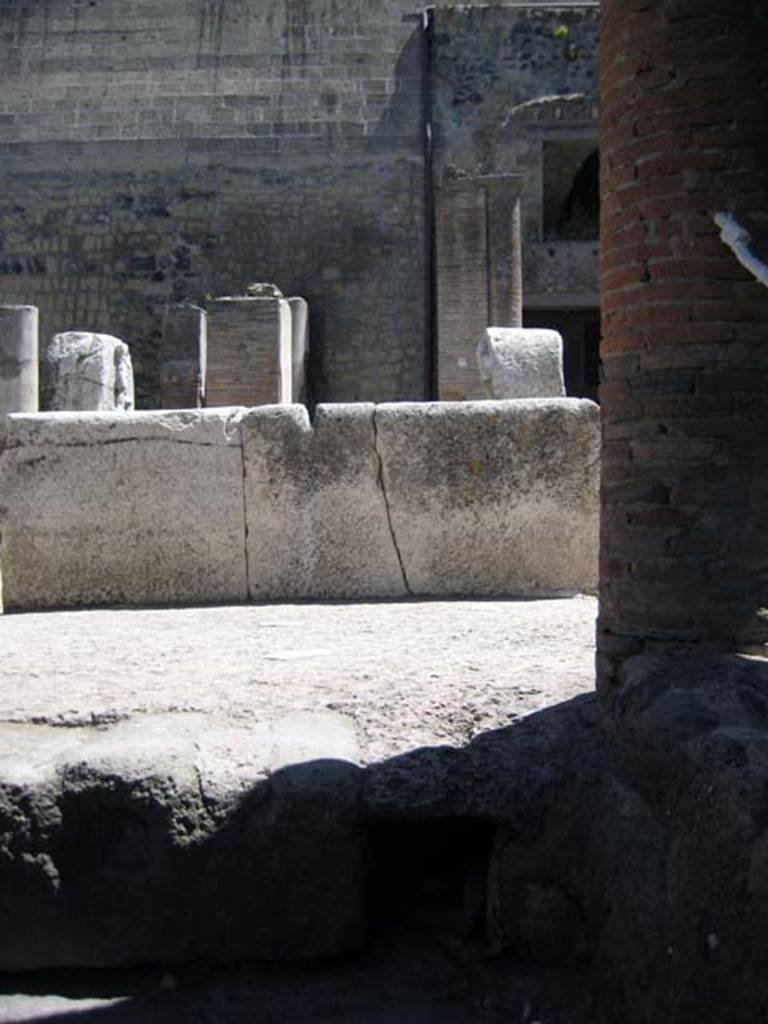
(249, 349)
(18, 359)
(83, 371)
(684, 136)
(479, 273)
(183, 357)
(299, 347)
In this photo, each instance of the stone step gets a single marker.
(169, 792)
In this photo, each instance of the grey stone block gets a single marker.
(493, 497)
(106, 509)
(518, 362)
(83, 371)
(318, 522)
(175, 837)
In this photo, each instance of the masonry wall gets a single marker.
(684, 545)
(513, 92)
(153, 152)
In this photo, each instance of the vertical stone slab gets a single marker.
(299, 347)
(318, 523)
(85, 372)
(479, 273)
(135, 508)
(249, 351)
(462, 291)
(183, 352)
(18, 359)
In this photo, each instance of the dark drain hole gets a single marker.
(432, 874)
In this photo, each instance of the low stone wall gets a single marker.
(428, 499)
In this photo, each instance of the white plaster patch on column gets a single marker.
(737, 239)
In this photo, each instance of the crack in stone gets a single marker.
(47, 443)
(387, 509)
(244, 470)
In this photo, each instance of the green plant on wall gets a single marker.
(562, 34)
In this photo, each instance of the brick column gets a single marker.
(684, 136)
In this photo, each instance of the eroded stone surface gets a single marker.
(174, 837)
(173, 809)
(519, 362)
(485, 498)
(493, 497)
(83, 371)
(99, 509)
(317, 518)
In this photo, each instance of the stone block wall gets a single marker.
(513, 93)
(156, 152)
(153, 153)
(448, 499)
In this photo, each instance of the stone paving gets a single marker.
(405, 675)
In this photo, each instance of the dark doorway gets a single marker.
(580, 330)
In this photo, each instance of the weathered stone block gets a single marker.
(493, 497)
(83, 371)
(18, 359)
(318, 522)
(103, 509)
(518, 362)
(177, 837)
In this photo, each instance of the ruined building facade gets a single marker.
(362, 154)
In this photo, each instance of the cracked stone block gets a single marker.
(141, 507)
(493, 498)
(83, 371)
(183, 352)
(318, 523)
(249, 351)
(520, 362)
(175, 837)
(18, 359)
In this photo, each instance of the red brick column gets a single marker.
(684, 135)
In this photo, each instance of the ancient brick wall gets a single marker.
(513, 93)
(158, 151)
(685, 342)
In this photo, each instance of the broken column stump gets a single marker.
(519, 362)
(85, 372)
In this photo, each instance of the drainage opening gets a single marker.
(431, 874)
